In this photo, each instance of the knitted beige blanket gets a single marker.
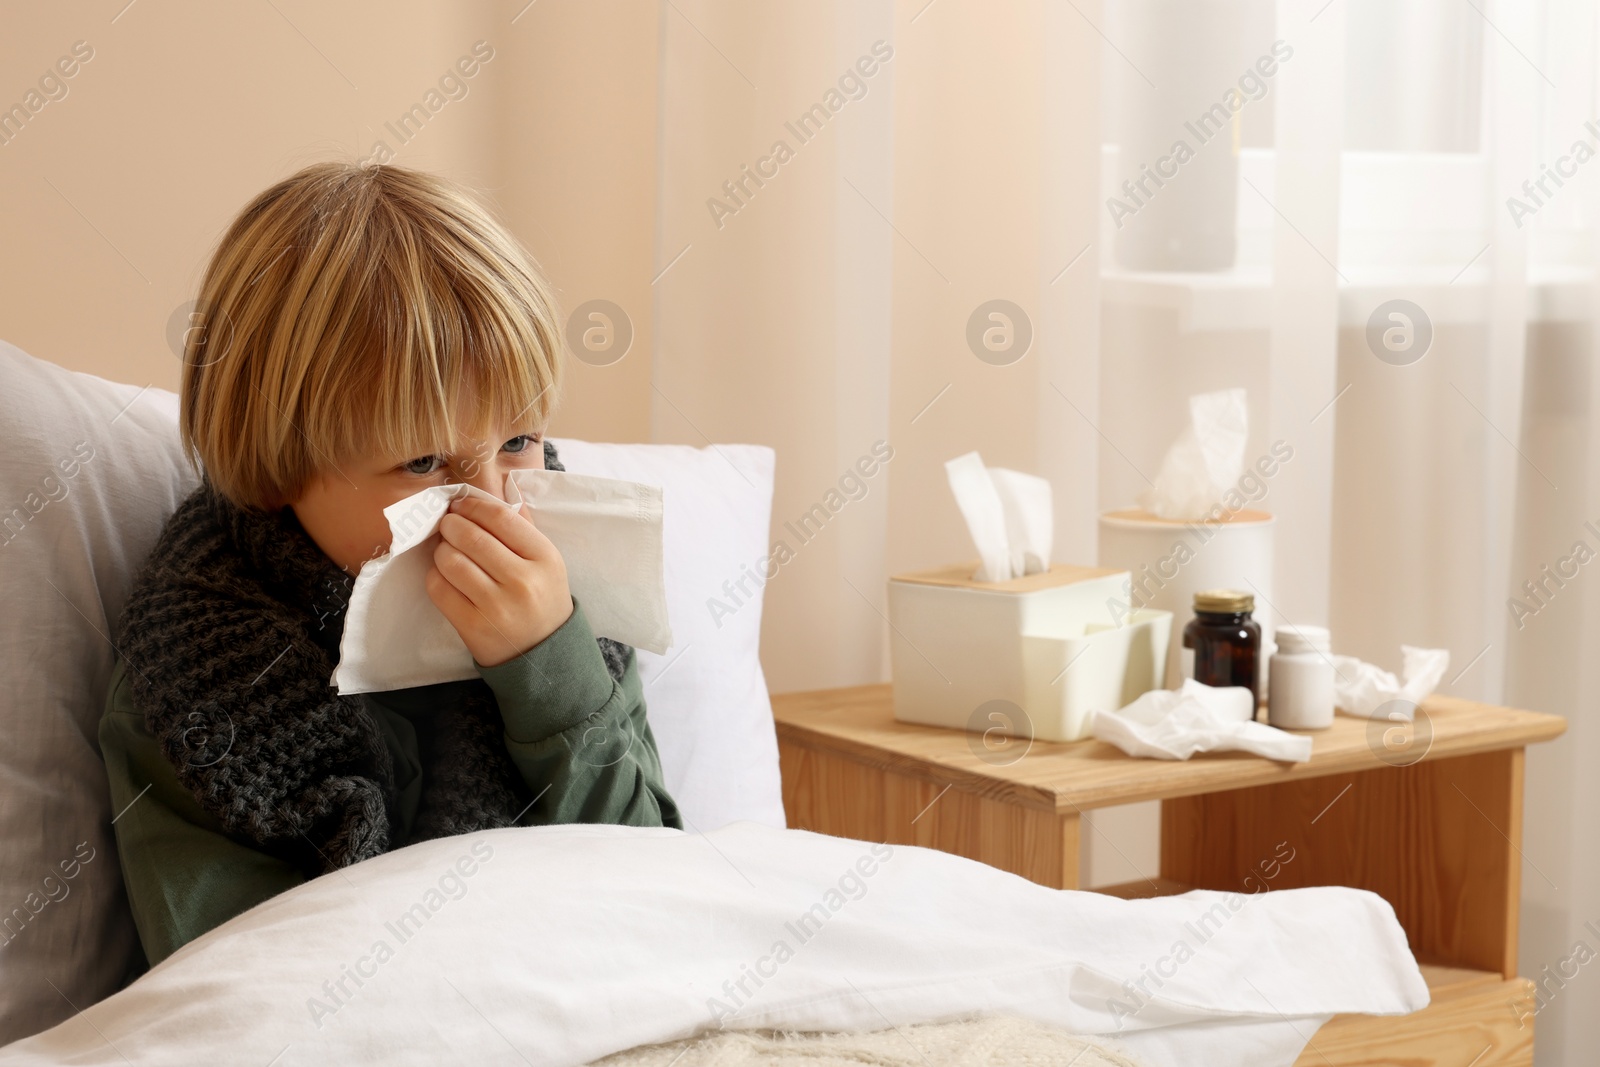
(983, 1041)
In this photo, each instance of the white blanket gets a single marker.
(564, 944)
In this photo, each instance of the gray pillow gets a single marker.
(92, 470)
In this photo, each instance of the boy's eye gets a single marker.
(426, 462)
(425, 465)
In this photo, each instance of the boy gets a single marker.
(368, 332)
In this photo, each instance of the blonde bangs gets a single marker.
(371, 312)
(447, 347)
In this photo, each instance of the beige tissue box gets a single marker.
(1047, 642)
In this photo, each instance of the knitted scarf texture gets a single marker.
(230, 636)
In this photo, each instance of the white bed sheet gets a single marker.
(560, 945)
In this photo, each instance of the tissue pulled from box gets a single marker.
(1009, 515)
(1364, 690)
(1206, 460)
(1177, 723)
(608, 532)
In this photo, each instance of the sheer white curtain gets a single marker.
(1434, 482)
(1469, 473)
(825, 308)
(1551, 630)
(1370, 161)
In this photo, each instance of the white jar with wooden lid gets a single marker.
(1170, 560)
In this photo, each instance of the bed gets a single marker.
(737, 940)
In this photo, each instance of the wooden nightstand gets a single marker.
(1433, 826)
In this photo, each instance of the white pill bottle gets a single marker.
(1300, 682)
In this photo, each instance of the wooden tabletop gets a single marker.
(859, 722)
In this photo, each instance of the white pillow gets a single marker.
(70, 544)
(706, 696)
(92, 470)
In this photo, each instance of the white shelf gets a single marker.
(1414, 223)
(1241, 299)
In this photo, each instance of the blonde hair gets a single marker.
(350, 310)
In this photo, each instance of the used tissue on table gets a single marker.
(1177, 723)
(1205, 462)
(1363, 689)
(608, 532)
(1009, 515)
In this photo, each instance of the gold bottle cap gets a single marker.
(1224, 601)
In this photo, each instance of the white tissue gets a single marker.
(1009, 515)
(608, 532)
(1361, 689)
(1177, 723)
(1205, 462)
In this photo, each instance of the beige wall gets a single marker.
(575, 150)
(116, 193)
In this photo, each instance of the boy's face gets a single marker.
(342, 508)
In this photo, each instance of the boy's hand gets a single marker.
(498, 579)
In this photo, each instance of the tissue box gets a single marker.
(1047, 642)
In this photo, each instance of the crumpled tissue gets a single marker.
(1205, 462)
(1362, 689)
(607, 530)
(1009, 515)
(1177, 723)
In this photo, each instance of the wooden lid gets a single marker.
(1140, 515)
(960, 575)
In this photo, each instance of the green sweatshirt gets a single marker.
(185, 874)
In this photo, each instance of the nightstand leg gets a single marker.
(833, 794)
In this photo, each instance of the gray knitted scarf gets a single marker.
(230, 636)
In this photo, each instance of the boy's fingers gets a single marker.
(450, 601)
(462, 571)
(459, 610)
(514, 526)
(482, 546)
